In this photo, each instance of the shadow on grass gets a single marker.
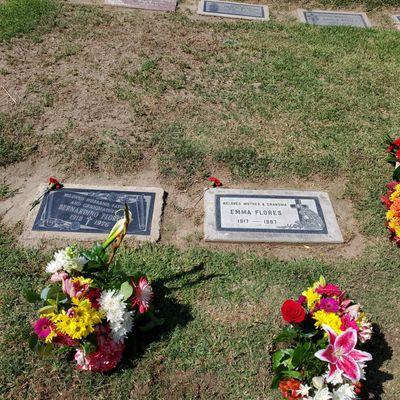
(381, 352)
(167, 308)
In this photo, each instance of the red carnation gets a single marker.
(386, 201)
(292, 312)
(390, 148)
(398, 154)
(391, 185)
(215, 181)
(54, 183)
(396, 143)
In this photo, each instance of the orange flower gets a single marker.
(289, 388)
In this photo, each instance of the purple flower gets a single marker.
(42, 327)
(328, 305)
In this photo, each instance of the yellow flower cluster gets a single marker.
(80, 320)
(393, 214)
(327, 318)
(312, 297)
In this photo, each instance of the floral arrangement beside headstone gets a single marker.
(319, 356)
(391, 200)
(89, 305)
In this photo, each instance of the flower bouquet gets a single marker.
(393, 157)
(317, 357)
(89, 305)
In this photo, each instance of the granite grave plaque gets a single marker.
(334, 18)
(90, 213)
(154, 5)
(235, 215)
(233, 10)
(396, 19)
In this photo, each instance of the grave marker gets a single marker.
(233, 10)
(396, 19)
(334, 18)
(154, 5)
(89, 213)
(236, 215)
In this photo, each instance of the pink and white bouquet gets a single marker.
(90, 305)
(321, 360)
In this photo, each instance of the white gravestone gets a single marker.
(236, 215)
(334, 18)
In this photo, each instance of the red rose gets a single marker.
(215, 181)
(396, 142)
(54, 183)
(292, 312)
(391, 185)
(398, 154)
(390, 148)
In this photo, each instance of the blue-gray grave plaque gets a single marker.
(233, 9)
(396, 19)
(330, 18)
(95, 211)
(270, 216)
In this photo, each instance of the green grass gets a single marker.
(222, 312)
(19, 17)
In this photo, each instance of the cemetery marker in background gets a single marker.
(87, 213)
(155, 5)
(397, 20)
(233, 10)
(236, 215)
(334, 18)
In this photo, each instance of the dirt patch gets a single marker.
(183, 213)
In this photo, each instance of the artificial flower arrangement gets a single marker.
(321, 360)
(91, 305)
(391, 200)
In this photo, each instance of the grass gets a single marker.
(19, 17)
(222, 311)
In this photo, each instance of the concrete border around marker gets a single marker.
(200, 11)
(334, 235)
(35, 236)
(302, 18)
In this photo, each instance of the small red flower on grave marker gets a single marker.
(215, 181)
(54, 183)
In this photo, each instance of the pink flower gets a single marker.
(105, 358)
(143, 295)
(58, 276)
(73, 289)
(301, 299)
(341, 354)
(329, 290)
(43, 327)
(348, 322)
(329, 305)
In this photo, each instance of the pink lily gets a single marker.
(341, 354)
(143, 295)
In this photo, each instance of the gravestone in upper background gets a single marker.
(233, 10)
(236, 215)
(154, 5)
(396, 19)
(334, 18)
(89, 213)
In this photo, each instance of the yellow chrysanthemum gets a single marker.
(82, 281)
(312, 297)
(396, 193)
(80, 320)
(50, 336)
(324, 318)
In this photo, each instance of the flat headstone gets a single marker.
(396, 19)
(236, 215)
(89, 213)
(154, 5)
(334, 18)
(233, 10)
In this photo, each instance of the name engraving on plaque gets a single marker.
(330, 18)
(233, 10)
(269, 214)
(94, 211)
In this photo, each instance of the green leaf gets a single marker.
(275, 381)
(298, 356)
(277, 358)
(32, 341)
(31, 296)
(292, 374)
(396, 174)
(126, 290)
(286, 335)
(46, 310)
(45, 350)
(88, 347)
(45, 291)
